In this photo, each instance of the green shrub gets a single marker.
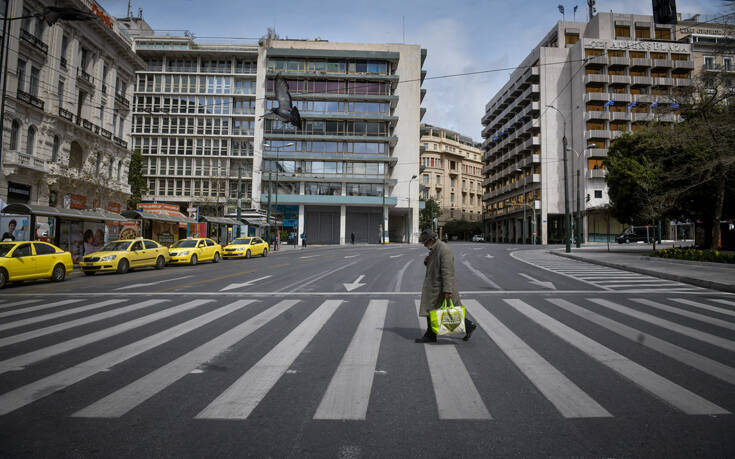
(694, 254)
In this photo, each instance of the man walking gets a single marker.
(440, 283)
(352, 238)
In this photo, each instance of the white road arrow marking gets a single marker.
(489, 256)
(152, 283)
(354, 285)
(244, 284)
(396, 256)
(481, 275)
(549, 285)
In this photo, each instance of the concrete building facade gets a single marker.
(451, 173)
(591, 81)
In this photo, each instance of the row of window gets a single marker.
(640, 72)
(452, 182)
(334, 87)
(193, 105)
(320, 106)
(194, 166)
(324, 167)
(325, 188)
(449, 148)
(591, 52)
(182, 146)
(192, 65)
(328, 66)
(319, 127)
(191, 126)
(466, 200)
(190, 84)
(195, 188)
(376, 148)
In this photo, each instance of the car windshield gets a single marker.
(185, 243)
(5, 248)
(114, 246)
(243, 241)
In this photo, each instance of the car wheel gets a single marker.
(3, 278)
(160, 262)
(247, 254)
(265, 253)
(123, 266)
(88, 273)
(216, 257)
(627, 241)
(59, 273)
(193, 260)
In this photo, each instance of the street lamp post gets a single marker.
(270, 180)
(410, 214)
(578, 232)
(567, 217)
(523, 232)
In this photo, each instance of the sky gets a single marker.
(460, 36)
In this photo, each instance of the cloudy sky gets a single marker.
(460, 36)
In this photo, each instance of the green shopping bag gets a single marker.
(448, 320)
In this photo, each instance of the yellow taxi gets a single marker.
(193, 250)
(24, 260)
(123, 255)
(246, 247)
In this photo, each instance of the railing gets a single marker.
(106, 134)
(122, 100)
(86, 124)
(25, 160)
(30, 99)
(62, 62)
(120, 142)
(33, 41)
(66, 114)
(85, 76)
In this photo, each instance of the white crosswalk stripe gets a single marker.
(55, 304)
(351, 390)
(18, 303)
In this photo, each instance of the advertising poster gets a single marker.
(130, 230)
(112, 231)
(14, 227)
(93, 237)
(76, 241)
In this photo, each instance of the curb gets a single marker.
(651, 272)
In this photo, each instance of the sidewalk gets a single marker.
(634, 257)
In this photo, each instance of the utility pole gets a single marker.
(268, 211)
(567, 217)
(239, 198)
(579, 219)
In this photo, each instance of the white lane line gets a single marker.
(694, 360)
(20, 361)
(301, 284)
(19, 303)
(721, 301)
(348, 394)
(29, 393)
(56, 315)
(481, 275)
(351, 256)
(396, 256)
(75, 323)
(38, 308)
(399, 277)
(663, 323)
(626, 285)
(704, 306)
(673, 394)
(153, 283)
(310, 256)
(122, 401)
(455, 392)
(241, 398)
(567, 397)
(685, 313)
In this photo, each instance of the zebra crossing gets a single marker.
(698, 335)
(602, 277)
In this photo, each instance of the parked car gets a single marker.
(478, 238)
(636, 234)
(193, 250)
(25, 260)
(244, 247)
(125, 254)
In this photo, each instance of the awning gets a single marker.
(72, 214)
(138, 215)
(218, 220)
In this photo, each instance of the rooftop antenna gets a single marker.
(130, 11)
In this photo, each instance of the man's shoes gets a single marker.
(470, 328)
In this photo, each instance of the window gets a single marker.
(30, 140)
(571, 38)
(709, 62)
(727, 64)
(119, 169)
(622, 31)
(663, 33)
(150, 244)
(598, 194)
(61, 93)
(22, 251)
(35, 80)
(55, 150)
(642, 32)
(438, 179)
(21, 75)
(137, 245)
(426, 179)
(43, 249)
(14, 128)
(109, 168)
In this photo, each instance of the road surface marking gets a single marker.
(56, 315)
(567, 397)
(396, 256)
(355, 285)
(489, 256)
(300, 284)
(694, 360)
(18, 303)
(663, 323)
(75, 323)
(310, 256)
(244, 284)
(706, 307)
(348, 394)
(147, 284)
(725, 302)
(122, 401)
(548, 285)
(455, 392)
(29, 393)
(16, 312)
(204, 281)
(75, 343)
(241, 398)
(481, 275)
(673, 394)
(685, 313)
(399, 277)
(351, 256)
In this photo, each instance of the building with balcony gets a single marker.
(451, 173)
(591, 82)
(65, 140)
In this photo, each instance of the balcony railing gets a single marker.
(16, 158)
(30, 99)
(62, 62)
(106, 134)
(66, 114)
(85, 76)
(120, 142)
(33, 41)
(119, 98)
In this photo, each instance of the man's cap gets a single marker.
(426, 235)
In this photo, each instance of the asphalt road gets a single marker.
(310, 353)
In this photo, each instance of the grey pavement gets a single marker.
(634, 257)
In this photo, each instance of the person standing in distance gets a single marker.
(440, 283)
(352, 238)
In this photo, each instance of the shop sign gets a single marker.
(166, 238)
(19, 191)
(146, 207)
(113, 207)
(77, 201)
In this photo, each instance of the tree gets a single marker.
(427, 215)
(136, 180)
